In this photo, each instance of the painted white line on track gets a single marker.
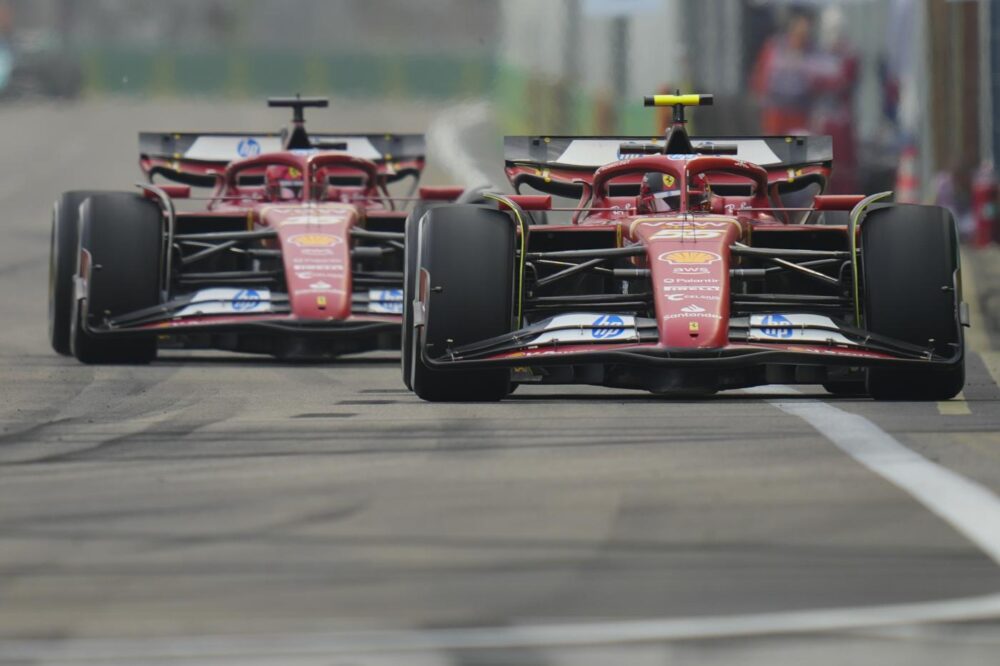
(444, 136)
(510, 637)
(967, 506)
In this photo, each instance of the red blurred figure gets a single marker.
(984, 197)
(781, 78)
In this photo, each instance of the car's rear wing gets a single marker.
(194, 158)
(550, 163)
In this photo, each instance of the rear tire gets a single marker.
(64, 243)
(911, 293)
(122, 232)
(467, 253)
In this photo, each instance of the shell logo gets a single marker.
(313, 240)
(690, 257)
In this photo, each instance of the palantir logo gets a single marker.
(607, 326)
(776, 326)
(248, 147)
(245, 300)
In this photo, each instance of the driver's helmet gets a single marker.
(657, 193)
(283, 183)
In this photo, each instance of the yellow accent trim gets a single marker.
(852, 232)
(674, 100)
(524, 247)
(957, 406)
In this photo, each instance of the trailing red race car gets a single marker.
(297, 252)
(690, 266)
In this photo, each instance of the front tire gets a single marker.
(465, 279)
(911, 293)
(121, 234)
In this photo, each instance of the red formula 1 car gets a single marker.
(690, 266)
(297, 252)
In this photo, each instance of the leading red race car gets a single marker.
(690, 266)
(298, 251)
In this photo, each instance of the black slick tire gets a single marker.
(911, 293)
(121, 234)
(466, 272)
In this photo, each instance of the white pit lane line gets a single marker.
(970, 508)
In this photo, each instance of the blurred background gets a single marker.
(905, 87)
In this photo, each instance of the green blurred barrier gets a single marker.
(528, 104)
(256, 73)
